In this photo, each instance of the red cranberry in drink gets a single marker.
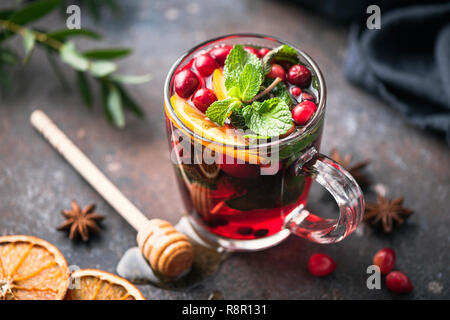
(299, 75)
(205, 64)
(230, 166)
(321, 265)
(262, 52)
(398, 282)
(203, 98)
(220, 54)
(185, 83)
(277, 71)
(303, 112)
(296, 91)
(251, 50)
(385, 260)
(307, 96)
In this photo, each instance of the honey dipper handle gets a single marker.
(87, 169)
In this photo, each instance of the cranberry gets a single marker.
(261, 233)
(203, 98)
(220, 54)
(262, 52)
(238, 170)
(303, 112)
(277, 71)
(307, 96)
(245, 231)
(296, 91)
(398, 282)
(251, 50)
(385, 259)
(299, 75)
(205, 64)
(185, 83)
(321, 265)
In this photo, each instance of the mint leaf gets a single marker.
(235, 63)
(281, 91)
(237, 119)
(269, 118)
(250, 81)
(220, 110)
(281, 53)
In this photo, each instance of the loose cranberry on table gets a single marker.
(385, 260)
(220, 54)
(277, 71)
(185, 83)
(205, 64)
(303, 112)
(262, 52)
(203, 98)
(299, 75)
(398, 282)
(321, 265)
(251, 50)
(296, 91)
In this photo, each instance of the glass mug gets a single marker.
(235, 200)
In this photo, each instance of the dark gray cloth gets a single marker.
(407, 63)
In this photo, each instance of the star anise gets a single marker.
(355, 170)
(81, 222)
(386, 213)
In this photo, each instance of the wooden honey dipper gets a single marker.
(168, 251)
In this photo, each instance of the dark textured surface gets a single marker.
(36, 183)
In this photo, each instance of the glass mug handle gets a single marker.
(342, 187)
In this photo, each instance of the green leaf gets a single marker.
(102, 68)
(85, 89)
(131, 79)
(281, 91)
(269, 118)
(34, 11)
(114, 106)
(281, 53)
(220, 110)
(71, 56)
(8, 56)
(28, 42)
(235, 63)
(6, 13)
(250, 81)
(107, 54)
(64, 34)
(129, 103)
(237, 119)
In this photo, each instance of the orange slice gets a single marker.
(218, 83)
(31, 269)
(92, 284)
(221, 135)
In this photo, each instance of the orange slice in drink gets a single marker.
(218, 83)
(93, 284)
(31, 269)
(225, 137)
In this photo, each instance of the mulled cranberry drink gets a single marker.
(244, 115)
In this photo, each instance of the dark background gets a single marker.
(36, 183)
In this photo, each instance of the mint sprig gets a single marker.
(281, 53)
(269, 118)
(244, 74)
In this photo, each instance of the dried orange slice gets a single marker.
(93, 284)
(31, 269)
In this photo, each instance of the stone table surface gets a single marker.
(36, 183)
